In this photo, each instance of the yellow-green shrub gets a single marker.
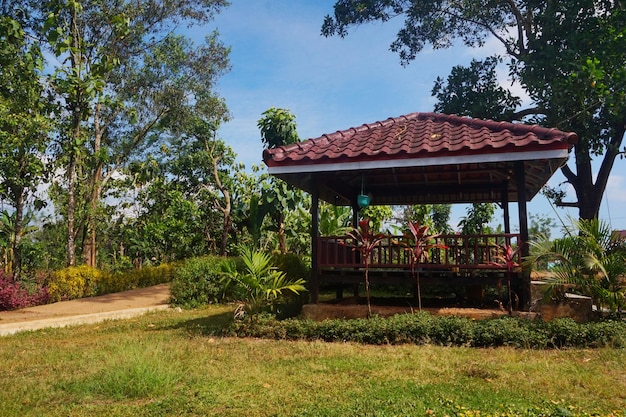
(75, 282)
(136, 278)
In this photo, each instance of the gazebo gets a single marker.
(423, 158)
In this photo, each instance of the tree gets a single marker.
(204, 163)
(122, 72)
(334, 220)
(474, 91)
(435, 216)
(278, 128)
(478, 215)
(24, 129)
(567, 55)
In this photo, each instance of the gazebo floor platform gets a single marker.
(349, 308)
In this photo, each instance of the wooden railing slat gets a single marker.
(462, 251)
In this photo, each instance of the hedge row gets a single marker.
(84, 281)
(424, 328)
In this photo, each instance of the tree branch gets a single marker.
(519, 115)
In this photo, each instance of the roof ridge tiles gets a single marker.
(420, 133)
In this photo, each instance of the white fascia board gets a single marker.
(421, 162)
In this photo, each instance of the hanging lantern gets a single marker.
(363, 200)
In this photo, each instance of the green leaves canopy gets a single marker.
(567, 55)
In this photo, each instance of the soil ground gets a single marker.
(86, 310)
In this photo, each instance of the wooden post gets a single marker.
(520, 177)
(505, 207)
(314, 287)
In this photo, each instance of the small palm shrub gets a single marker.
(262, 284)
(201, 281)
(75, 282)
(590, 258)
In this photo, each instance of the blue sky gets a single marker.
(279, 59)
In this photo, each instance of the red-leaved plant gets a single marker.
(366, 241)
(13, 294)
(419, 244)
(507, 259)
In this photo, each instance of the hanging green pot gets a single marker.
(363, 200)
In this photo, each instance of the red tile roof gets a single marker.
(425, 158)
(419, 135)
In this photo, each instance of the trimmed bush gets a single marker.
(75, 282)
(135, 278)
(14, 294)
(422, 328)
(200, 281)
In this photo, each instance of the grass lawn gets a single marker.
(169, 364)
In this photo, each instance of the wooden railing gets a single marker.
(455, 252)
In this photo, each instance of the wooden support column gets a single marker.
(520, 177)
(314, 284)
(355, 224)
(505, 207)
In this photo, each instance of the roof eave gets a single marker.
(316, 166)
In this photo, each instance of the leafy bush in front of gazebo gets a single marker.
(423, 328)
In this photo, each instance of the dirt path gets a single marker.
(86, 310)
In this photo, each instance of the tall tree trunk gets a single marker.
(588, 194)
(89, 244)
(71, 208)
(75, 107)
(226, 207)
(17, 230)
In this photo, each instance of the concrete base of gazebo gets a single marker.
(322, 311)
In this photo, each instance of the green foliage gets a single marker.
(124, 82)
(478, 215)
(540, 225)
(568, 55)
(435, 216)
(423, 328)
(377, 215)
(262, 284)
(25, 126)
(334, 220)
(75, 282)
(278, 127)
(200, 281)
(475, 91)
(590, 258)
(135, 278)
(294, 266)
